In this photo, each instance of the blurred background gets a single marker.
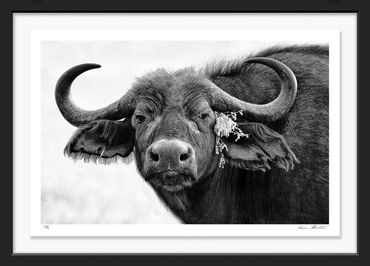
(85, 193)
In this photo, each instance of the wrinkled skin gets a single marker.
(175, 112)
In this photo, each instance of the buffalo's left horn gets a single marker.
(261, 112)
(77, 116)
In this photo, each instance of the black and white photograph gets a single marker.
(193, 132)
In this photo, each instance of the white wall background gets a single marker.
(77, 192)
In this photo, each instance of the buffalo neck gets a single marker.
(230, 195)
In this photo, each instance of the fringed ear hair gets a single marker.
(76, 156)
(102, 141)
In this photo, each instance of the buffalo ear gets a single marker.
(262, 149)
(102, 141)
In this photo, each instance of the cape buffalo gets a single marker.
(269, 166)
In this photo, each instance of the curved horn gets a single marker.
(77, 116)
(262, 112)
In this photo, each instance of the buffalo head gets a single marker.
(167, 119)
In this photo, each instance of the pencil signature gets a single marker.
(312, 226)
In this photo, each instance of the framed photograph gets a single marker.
(185, 133)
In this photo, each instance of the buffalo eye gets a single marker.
(140, 119)
(204, 116)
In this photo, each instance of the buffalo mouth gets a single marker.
(171, 180)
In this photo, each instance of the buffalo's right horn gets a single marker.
(77, 116)
(269, 112)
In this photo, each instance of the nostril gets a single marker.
(184, 156)
(154, 156)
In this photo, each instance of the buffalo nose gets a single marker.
(173, 153)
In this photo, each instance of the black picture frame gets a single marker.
(285, 6)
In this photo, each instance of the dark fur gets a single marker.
(300, 196)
